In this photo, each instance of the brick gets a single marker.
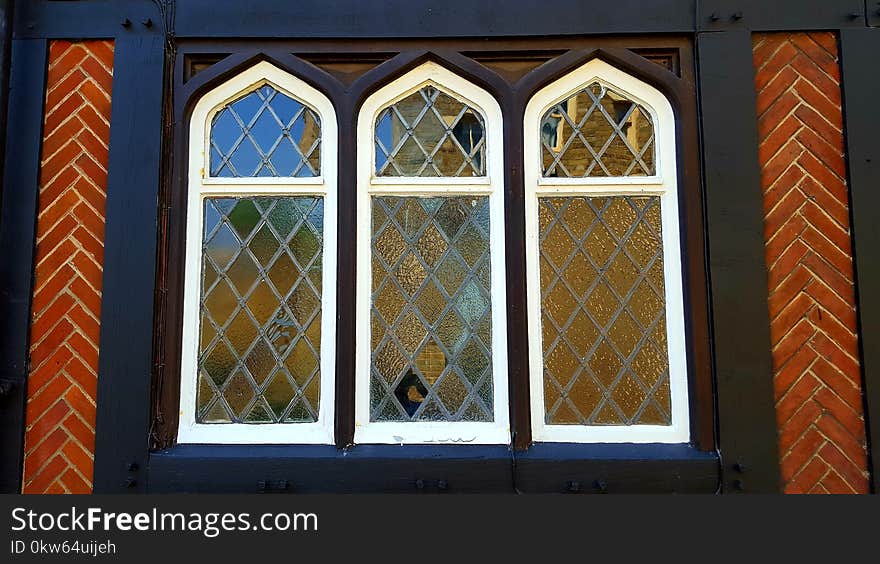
(843, 413)
(811, 299)
(852, 474)
(825, 177)
(788, 289)
(809, 476)
(845, 388)
(826, 201)
(792, 177)
(60, 413)
(792, 370)
(832, 483)
(40, 482)
(801, 452)
(50, 289)
(796, 425)
(796, 396)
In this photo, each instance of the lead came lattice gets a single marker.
(430, 133)
(597, 133)
(431, 310)
(260, 332)
(265, 133)
(603, 311)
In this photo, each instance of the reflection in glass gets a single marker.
(596, 133)
(431, 310)
(265, 133)
(260, 336)
(430, 133)
(603, 311)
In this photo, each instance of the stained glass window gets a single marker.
(430, 133)
(597, 132)
(260, 329)
(265, 133)
(603, 314)
(431, 314)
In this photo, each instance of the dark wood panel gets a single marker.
(18, 216)
(126, 346)
(737, 271)
(861, 89)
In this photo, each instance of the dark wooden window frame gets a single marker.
(745, 427)
(201, 66)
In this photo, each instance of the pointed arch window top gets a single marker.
(265, 133)
(430, 133)
(597, 132)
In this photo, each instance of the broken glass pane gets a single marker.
(431, 310)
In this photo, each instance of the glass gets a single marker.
(430, 133)
(596, 133)
(431, 314)
(603, 311)
(265, 133)
(260, 335)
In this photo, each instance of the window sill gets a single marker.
(543, 468)
(616, 468)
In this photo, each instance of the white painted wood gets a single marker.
(320, 432)
(624, 182)
(428, 181)
(663, 184)
(498, 431)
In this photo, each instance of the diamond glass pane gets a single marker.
(603, 311)
(430, 133)
(431, 310)
(260, 336)
(597, 133)
(265, 133)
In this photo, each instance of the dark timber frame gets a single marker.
(738, 442)
(685, 469)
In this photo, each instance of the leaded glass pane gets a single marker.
(430, 133)
(260, 336)
(265, 133)
(597, 133)
(603, 311)
(431, 310)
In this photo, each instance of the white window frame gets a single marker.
(663, 184)
(497, 431)
(200, 186)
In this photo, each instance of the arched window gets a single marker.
(431, 340)
(604, 261)
(259, 325)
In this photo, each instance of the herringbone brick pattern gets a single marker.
(60, 432)
(809, 258)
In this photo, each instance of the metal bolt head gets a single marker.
(442, 485)
(573, 486)
(420, 484)
(130, 483)
(133, 466)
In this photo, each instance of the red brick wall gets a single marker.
(809, 258)
(60, 432)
